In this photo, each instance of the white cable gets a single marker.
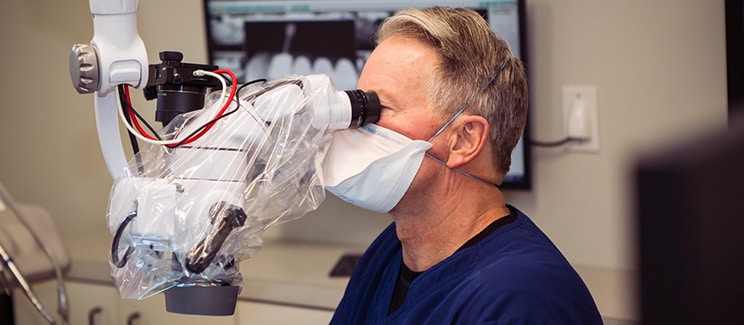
(175, 141)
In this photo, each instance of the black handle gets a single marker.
(132, 318)
(206, 250)
(92, 314)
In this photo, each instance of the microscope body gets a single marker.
(184, 215)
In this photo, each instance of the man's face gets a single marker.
(398, 70)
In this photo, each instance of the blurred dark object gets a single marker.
(6, 309)
(345, 265)
(691, 230)
(735, 55)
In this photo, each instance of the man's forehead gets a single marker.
(399, 60)
(405, 49)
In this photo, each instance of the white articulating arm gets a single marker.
(121, 53)
(116, 55)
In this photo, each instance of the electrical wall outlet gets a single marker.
(581, 118)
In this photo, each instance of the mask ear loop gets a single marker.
(464, 107)
(452, 119)
(461, 172)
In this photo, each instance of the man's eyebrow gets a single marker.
(386, 100)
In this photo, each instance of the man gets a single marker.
(456, 252)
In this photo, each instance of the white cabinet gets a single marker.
(284, 277)
(99, 302)
(151, 311)
(91, 302)
(24, 311)
(250, 313)
(102, 305)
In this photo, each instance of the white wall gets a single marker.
(659, 67)
(660, 70)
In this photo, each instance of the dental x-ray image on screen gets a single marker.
(271, 39)
(274, 49)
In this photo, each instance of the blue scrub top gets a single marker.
(515, 275)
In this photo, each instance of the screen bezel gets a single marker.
(520, 183)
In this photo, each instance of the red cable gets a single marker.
(135, 120)
(133, 116)
(230, 98)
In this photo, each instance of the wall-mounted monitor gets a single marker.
(269, 39)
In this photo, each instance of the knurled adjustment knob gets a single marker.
(84, 68)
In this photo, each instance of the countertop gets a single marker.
(297, 273)
(282, 272)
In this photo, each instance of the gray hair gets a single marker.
(471, 54)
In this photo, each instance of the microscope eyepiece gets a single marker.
(365, 107)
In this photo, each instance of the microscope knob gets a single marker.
(84, 68)
(171, 57)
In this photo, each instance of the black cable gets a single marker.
(551, 144)
(248, 84)
(130, 108)
(125, 106)
(214, 120)
(147, 125)
(119, 263)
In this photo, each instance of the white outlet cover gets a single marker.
(589, 95)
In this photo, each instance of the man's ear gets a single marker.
(469, 139)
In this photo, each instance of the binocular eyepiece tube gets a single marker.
(365, 107)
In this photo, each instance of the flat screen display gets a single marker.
(270, 39)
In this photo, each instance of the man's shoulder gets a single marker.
(521, 255)
(531, 286)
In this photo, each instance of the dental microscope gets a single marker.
(229, 161)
